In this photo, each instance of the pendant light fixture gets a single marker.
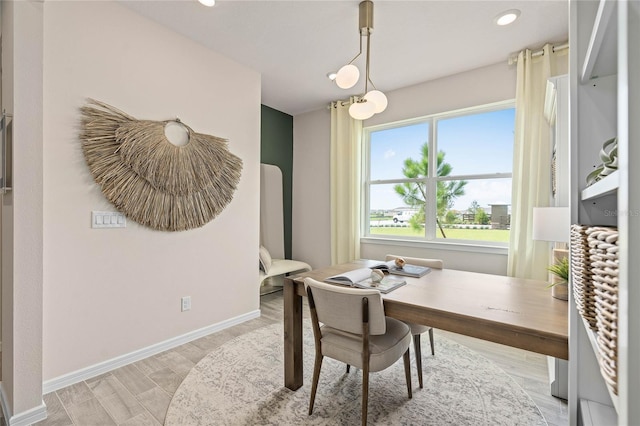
(373, 101)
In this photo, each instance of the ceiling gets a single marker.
(294, 44)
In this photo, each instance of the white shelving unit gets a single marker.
(557, 105)
(605, 102)
(601, 43)
(606, 186)
(592, 337)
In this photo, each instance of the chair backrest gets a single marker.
(431, 263)
(340, 307)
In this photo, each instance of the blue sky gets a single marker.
(473, 144)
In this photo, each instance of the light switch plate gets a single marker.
(100, 219)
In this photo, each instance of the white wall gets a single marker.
(22, 214)
(311, 225)
(108, 292)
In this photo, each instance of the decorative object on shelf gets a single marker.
(603, 249)
(609, 158)
(582, 283)
(373, 101)
(151, 180)
(560, 270)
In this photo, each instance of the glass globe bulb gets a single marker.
(378, 98)
(362, 110)
(347, 76)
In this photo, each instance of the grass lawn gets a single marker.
(494, 235)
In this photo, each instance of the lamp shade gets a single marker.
(551, 224)
(378, 98)
(347, 76)
(362, 110)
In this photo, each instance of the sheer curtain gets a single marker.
(346, 134)
(531, 165)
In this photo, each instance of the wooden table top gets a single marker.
(512, 311)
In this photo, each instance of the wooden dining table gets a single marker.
(511, 311)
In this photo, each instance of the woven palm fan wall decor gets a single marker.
(149, 179)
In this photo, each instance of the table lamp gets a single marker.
(553, 224)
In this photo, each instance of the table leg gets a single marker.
(292, 336)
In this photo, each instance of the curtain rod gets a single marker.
(513, 59)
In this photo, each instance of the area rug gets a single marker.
(241, 383)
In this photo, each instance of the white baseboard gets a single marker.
(106, 366)
(25, 418)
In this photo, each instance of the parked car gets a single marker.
(404, 216)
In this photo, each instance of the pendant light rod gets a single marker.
(358, 55)
(366, 28)
(366, 25)
(366, 81)
(366, 17)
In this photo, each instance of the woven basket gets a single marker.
(583, 288)
(603, 249)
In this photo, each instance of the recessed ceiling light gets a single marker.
(332, 75)
(208, 3)
(507, 17)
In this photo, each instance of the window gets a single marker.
(463, 193)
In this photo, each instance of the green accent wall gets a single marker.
(276, 147)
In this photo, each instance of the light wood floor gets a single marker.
(139, 394)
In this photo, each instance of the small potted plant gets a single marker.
(560, 279)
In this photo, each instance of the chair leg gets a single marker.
(348, 368)
(418, 351)
(365, 393)
(407, 371)
(431, 341)
(316, 376)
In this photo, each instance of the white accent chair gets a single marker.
(356, 331)
(272, 228)
(273, 267)
(418, 329)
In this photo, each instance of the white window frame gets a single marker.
(430, 180)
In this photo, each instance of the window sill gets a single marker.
(469, 247)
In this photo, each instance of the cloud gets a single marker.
(389, 153)
(486, 192)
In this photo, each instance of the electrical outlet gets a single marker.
(186, 303)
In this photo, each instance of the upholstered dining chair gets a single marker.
(418, 329)
(355, 331)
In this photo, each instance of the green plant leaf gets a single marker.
(561, 270)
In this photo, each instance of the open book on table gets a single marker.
(362, 278)
(407, 270)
